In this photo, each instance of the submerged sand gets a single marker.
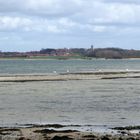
(50, 132)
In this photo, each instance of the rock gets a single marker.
(61, 138)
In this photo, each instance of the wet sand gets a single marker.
(90, 75)
(52, 132)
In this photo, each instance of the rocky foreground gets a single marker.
(50, 132)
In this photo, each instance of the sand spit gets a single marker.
(45, 133)
(70, 76)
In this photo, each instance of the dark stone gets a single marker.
(127, 128)
(131, 138)
(61, 138)
(22, 138)
(48, 131)
(89, 136)
(105, 138)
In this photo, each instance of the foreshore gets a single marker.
(88, 75)
(69, 132)
(61, 132)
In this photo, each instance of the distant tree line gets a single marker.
(113, 53)
(107, 53)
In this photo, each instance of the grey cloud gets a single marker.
(59, 16)
(41, 7)
(75, 22)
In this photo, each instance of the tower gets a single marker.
(92, 48)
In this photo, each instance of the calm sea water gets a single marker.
(48, 66)
(94, 102)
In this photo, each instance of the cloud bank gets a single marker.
(106, 20)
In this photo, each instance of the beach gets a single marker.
(69, 70)
(70, 132)
(63, 102)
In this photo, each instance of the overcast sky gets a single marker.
(34, 24)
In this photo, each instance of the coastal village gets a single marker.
(107, 53)
(47, 52)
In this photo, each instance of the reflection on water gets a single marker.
(96, 102)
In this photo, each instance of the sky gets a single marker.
(29, 25)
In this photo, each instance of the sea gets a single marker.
(106, 102)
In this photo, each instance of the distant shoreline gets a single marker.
(70, 58)
(82, 53)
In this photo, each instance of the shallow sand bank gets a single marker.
(92, 75)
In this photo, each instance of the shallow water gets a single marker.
(94, 102)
